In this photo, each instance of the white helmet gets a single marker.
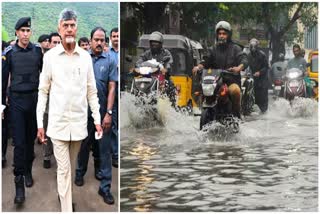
(156, 36)
(223, 25)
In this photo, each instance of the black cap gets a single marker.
(43, 37)
(23, 22)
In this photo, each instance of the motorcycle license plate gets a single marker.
(277, 88)
(143, 79)
(209, 78)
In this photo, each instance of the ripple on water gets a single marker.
(197, 203)
(183, 192)
(185, 185)
(160, 184)
(178, 170)
(224, 180)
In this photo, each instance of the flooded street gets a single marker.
(271, 164)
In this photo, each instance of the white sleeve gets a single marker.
(44, 88)
(92, 95)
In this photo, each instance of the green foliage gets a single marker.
(44, 16)
(5, 36)
(252, 13)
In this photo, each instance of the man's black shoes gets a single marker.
(28, 180)
(20, 191)
(107, 197)
(79, 181)
(46, 164)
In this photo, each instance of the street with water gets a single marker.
(270, 165)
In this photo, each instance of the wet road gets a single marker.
(271, 164)
(43, 195)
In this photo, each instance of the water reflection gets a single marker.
(142, 177)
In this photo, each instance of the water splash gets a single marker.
(299, 107)
(176, 126)
(135, 114)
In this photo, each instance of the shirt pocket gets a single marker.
(101, 73)
(79, 76)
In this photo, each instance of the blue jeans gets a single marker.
(105, 161)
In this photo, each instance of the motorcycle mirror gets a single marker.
(166, 59)
(128, 58)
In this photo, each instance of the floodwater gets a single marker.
(270, 165)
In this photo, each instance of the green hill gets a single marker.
(45, 15)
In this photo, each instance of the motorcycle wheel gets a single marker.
(206, 117)
(247, 103)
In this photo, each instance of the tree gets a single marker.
(279, 19)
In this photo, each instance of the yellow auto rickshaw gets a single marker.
(186, 53)
(313, 71)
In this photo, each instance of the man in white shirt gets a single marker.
(67, 78)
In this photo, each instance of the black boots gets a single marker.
(46, 164)
(79, 181)
(28, 180)
(20, 192)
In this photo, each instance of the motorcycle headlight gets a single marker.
(208, 89)
(294, 83)
(293, 73)
(145, 70)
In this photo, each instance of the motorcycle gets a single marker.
(247, 88)
(216, 104)
(278, 84)
(148, 82)
(294, 84)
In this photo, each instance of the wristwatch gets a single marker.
(109, 112)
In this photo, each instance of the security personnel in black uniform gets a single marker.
(258, 64)
(24, 63)
(5, 121)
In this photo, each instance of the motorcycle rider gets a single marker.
(278, 68)
(299, 62)
(226, 55)
(161, 55)
(258, 65)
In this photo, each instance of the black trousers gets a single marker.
(261, 97)
(5, 132)
(24, 130)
